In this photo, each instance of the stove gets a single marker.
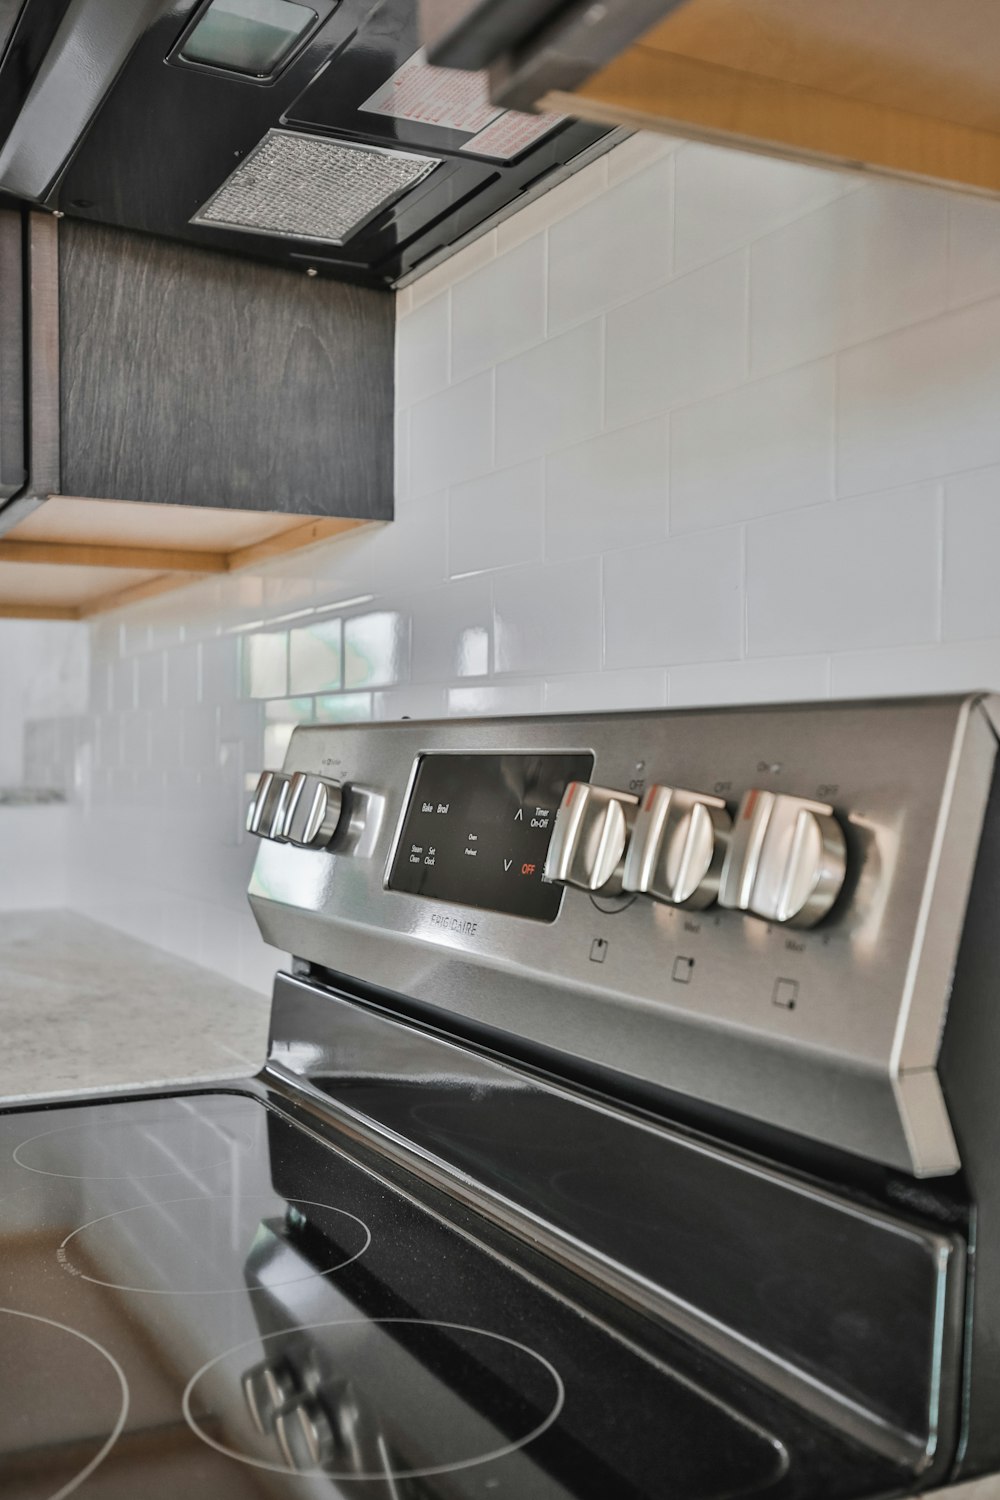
(627, 1130)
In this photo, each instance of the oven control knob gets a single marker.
(678, 846)
(268, 809)
(313, 811)
(305, 1436)
(269, 1390)
(589, 837)
(787, 859)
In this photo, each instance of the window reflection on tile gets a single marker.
(344, 708)
(289, 710)
(264, 664)
(474, 652)
(376, 649)
(314, 657)
(281, 719)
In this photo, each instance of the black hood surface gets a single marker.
(167, 133)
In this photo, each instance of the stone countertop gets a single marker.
(84, 1008)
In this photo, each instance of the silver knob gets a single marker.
(787, 859)
(266, 816)
(305, 1436)
(589, 837)
(678, 845)
(268, 1390)
(313, 811)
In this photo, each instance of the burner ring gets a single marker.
(63, 1257)
(423, 1472)
(119, 1424)
(104, 1125)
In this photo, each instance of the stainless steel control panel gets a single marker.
(757, 908)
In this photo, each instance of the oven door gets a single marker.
(825, 1315)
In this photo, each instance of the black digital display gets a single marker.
(477, 827)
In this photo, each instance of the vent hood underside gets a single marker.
(270, 166)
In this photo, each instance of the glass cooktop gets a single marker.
(201, 1298)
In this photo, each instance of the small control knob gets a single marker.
(266, 816)
(305, 1436)
(589, 837)
(787, 859)
(678, 846)
(298, 809)
(268, 1391)
(313, 811)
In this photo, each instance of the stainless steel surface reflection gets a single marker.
(207, 1298)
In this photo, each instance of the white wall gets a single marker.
(697, 427)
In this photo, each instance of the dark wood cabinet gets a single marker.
(169, 411)
(13, 473)
(192, 377)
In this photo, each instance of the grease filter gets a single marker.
(308, 187)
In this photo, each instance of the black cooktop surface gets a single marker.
(201, 1298)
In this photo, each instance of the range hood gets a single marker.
(307, 132)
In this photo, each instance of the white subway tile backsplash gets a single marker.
(344, 708)
(543, 557)
(971, 601)
(432, 283)
(494, 698)
(974, 258)
(608, 492)
(870, 261)
(417, 702)
(453, 630)
(730, 198)
(767, 446)
(376, 649)
(857, 572)
(499, 310)
(182, 677)
(550, 396)
(945, 668)
(410, 551)
(683, 341)
(920, 403)
(622, 239)
(314, 656)
(548, 618)
(602, 692)
(423, 351)
(220, 662)
(785, 679)
(640, 150)
(679, 600)
(121, 685)
(451, 435)
(498, 520)
(264, 661)
(553, 206)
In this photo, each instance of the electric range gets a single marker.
(627, 1130)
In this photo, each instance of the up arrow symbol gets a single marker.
(519, 815)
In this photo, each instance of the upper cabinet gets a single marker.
(174, 378)
(906, 87)
(215, 200)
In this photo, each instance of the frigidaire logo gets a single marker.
(454, 924)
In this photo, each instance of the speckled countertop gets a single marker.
(85, 1008)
